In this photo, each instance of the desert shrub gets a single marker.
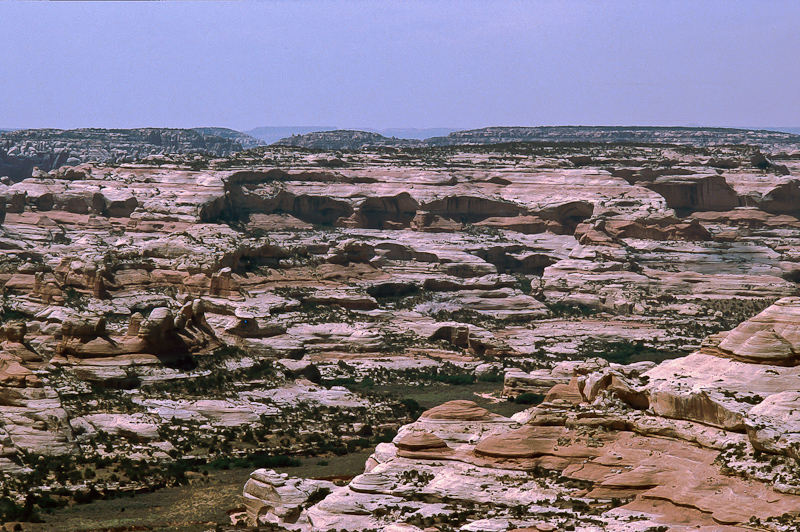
(336, 448)
(47, 502)
(528, 398)
(627, 352)
(86, 496)
(254, 461)
(10, 510)
(456, 380)
(412, 406)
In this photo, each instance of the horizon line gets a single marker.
(378, 129)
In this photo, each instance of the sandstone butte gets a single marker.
(238, 307)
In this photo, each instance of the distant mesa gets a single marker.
(247, 141)
(693, 136)
(48, 149)
(793, 130)
(272, 134)
(345, 140)
(416, 133)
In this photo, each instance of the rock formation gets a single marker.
(677, 446)
(50, 149)
(243, 308)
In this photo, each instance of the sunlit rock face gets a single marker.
(244, 307)
(741, 368)
(679, 444)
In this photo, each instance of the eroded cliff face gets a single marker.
(173, 310)
(706, 441)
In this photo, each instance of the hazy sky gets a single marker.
(447, 63)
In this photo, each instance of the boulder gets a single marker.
(157, 325)
(83, 327)
(459, 410)
(420, 441)
(771, 337)
(270, 497)
(118, 203)
(783, 198)
(15, 331)
(773, 426)
(351, 251)
(526, 442)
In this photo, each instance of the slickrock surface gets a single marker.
(601, 461)
(175, 311)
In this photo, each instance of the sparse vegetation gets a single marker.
(626, 352)
(528, 398)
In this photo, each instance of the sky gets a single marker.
(400, 64)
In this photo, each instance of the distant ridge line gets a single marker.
(695, 136)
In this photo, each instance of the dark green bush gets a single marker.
(10, 510)
(413, 407)
(529, 398)
(254, 461)
(456, 380)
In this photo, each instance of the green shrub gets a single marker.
(10, 510)
(46, 502)
(259, 461)
(459, 380)
(528, 398)
(253, 461)
(413, 407)
(626, 352)
(85, 497)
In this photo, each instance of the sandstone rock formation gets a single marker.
(696, 193)
(270, 497)
(606, 458)
(244, 308)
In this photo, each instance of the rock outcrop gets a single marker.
(273, 498)
(602, 458)
(722, 382)
(696, 193)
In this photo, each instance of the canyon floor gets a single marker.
(531, 336)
